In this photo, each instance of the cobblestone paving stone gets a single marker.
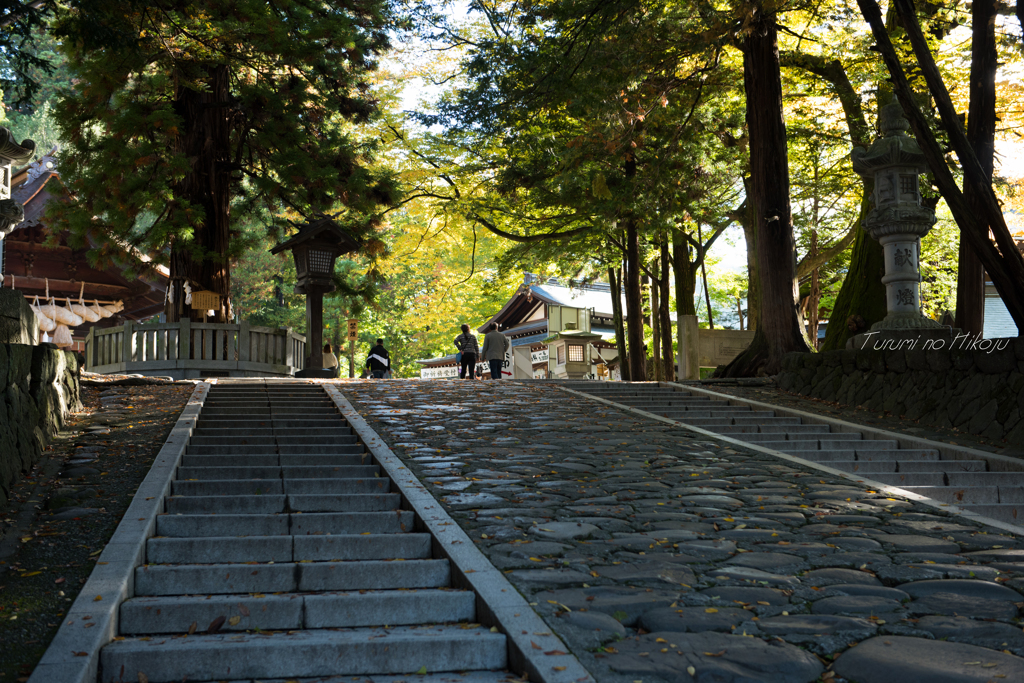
(658, 555)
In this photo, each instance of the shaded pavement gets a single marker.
(63, 511)
(658, 555)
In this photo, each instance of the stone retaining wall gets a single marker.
(17, 321)
(39, 387)
(972, 390)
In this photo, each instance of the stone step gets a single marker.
(194, 579)
(903, 455)
(942, 465)
(905, 479)
(712, 423)
(229, 549)
(307, 653)
(1008, 479)
(771, 429)
(947, 466)
(176, 614)
(686, 415)
(973, 495)
(271, 504)
(263, 487)
(338, 428)
(865, 468)
(826, 444)
(196, 526)
(796, 436)
(1012, 513)
(274, 411)
(201, 438)
(270, 472)
(351, 448)
(252, 401)
(674, 402)
(261, 422)
(274, 460)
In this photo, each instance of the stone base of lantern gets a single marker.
(906, 339)
(898, 321)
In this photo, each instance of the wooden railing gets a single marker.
(189, 348)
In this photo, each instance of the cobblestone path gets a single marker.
(660, 556)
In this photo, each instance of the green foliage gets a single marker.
(173, 100)
(26, 66)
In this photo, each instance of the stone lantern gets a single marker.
(314, 249)
(897, 220)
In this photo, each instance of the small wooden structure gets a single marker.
(187, 350)
(32, 262)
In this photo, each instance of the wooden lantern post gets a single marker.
(315, 248)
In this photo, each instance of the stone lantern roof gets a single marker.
(894, 148)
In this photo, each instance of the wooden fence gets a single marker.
(189, 348)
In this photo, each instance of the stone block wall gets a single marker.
(17, 321)
(975, 390)
(39, 387)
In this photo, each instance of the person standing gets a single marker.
(330, 361)
(378, 361)
(495, 347)
(470, 350)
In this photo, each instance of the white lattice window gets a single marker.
(575, 353)
(320, 261)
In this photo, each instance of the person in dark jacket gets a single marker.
(467, 345)
(379, 362)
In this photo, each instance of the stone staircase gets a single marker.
(284, 553)
(967, 483)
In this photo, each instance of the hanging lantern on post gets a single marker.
(315, 248)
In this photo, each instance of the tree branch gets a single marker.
(834, 74)
(809, 263)
(526, 239)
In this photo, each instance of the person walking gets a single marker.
(378, 361)
(470, 350)
(495, 347)
(330, 361)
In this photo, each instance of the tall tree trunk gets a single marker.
(778, 329)
(686, 285)
(812, 323)
(753, 282)
(634, 305)
(861, 300)
(981, 132)
(704, 278)
(615, 282)
(205, 141)
(667, 356)
(656, 321)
